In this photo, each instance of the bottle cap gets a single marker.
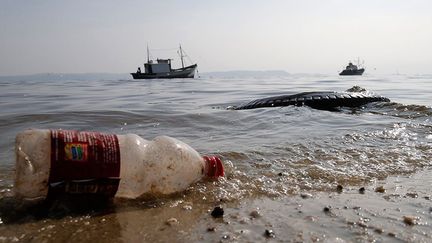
(214, 167)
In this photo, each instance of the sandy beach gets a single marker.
(397, 209)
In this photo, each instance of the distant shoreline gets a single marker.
(126, 76)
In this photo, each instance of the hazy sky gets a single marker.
(311, 36)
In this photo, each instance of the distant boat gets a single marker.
(352, 69)
(162, 69)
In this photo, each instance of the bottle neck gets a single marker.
(213, 167)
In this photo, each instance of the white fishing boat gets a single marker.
(161, 69)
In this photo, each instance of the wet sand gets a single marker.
(400, 212)
(398, 209)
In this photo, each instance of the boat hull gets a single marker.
(186, 72)
(352, 72)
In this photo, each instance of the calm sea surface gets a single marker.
(313, 150)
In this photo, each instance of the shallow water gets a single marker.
(268, 152)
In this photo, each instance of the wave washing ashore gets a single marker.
(291, 173)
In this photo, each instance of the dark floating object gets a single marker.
(362, 190)
(326, 100)
(217, 212)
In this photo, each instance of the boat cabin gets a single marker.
(351, 66)
(161, 66)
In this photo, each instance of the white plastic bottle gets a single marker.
(49, 162)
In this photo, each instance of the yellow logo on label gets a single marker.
(76, 151)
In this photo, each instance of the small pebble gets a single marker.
(269, 233)
(172, 221)
(339, 188)
(326, 209)
(211, 229)
(362, 190)
(410, 220)
(380, 189)
(362, 224)
(187, 207)
(412, 195)
(379, 231)
(243, 221)
(255, 214)
(305, 195)
(217, 212)
(311, 218)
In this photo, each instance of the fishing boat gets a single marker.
(161, 69)
(352, 69)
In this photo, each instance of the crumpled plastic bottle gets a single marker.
(52, 162)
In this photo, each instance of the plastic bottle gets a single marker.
(49, 162)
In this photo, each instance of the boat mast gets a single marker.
(181, 56)
(148, 54)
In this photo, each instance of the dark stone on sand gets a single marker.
(269, 233)
(211, 229)
(327, 209)
(362, 190)
(380, 189)
(217, 212)
(255, 214)
(410, 220)
(339, 188)
(379, 230)
(362, 224)
(412, 194)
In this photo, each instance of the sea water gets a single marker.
(268, 152)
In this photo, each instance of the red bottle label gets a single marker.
(84, 162)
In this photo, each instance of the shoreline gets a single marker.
(395, 209)
(400, 212)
